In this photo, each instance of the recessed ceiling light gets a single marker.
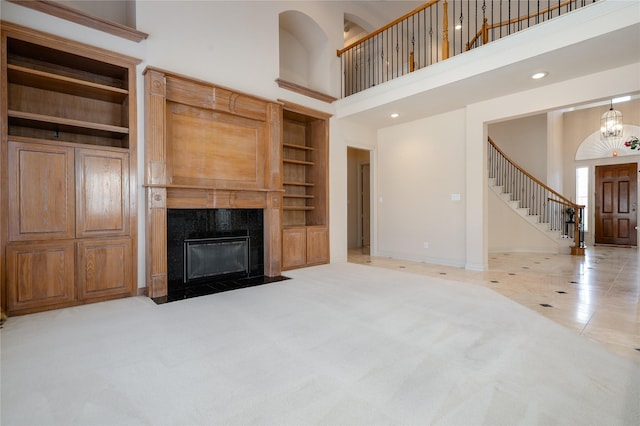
(395, 115)
(539, 75)
(459, 26)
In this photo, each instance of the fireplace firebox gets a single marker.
(211, 244)
(207, 258)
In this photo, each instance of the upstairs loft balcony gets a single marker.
(436, 31)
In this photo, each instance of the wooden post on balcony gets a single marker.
(445, 31)
(485, 32)
(412, 64)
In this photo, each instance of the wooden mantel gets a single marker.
(208, 147)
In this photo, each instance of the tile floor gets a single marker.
(596, 295)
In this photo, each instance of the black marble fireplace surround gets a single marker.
(184, 224)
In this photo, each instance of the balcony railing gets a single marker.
(436, 31)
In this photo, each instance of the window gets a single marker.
(582, 192)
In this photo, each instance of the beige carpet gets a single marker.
(337, 344)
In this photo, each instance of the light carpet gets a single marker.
(337, 344)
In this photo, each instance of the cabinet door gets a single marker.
(294, 247)
(317, 245)
(41, 192)
(104, 268)
(40, 275)
(102, 193)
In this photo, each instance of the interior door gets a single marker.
(616, 204)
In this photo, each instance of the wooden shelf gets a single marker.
(305, 231)
(307, 197)
(48, 122)
(300, 162)
(58, 83)
(298, 184)
(294, 146)
(298, 208)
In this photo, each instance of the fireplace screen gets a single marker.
(211, 257)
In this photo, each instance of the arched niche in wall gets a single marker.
(304, 52)
(355, 28)
(592, 147)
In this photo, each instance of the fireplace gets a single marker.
(209, 151)
(211, 258)
(206, 246)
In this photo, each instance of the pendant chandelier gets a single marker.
(611, 125)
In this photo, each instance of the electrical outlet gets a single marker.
(426, 245)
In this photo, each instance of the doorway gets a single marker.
(359, 200)
(616, 204)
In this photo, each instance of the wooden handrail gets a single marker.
(386, 27)
(564, 203)
(531, 15)
(485, 28)
(484, 32)
(533, 178)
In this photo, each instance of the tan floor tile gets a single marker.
(596, 295)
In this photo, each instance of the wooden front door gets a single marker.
(616, 204)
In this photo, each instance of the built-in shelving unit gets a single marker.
(58, 95)
(305, 237)
(68, 172)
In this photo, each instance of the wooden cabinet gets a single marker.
(102, 193)
(304, 246)
(294, 247)
(104, 268)
(39, 273)
(317, 245)
(41, 192)
(305, 209)
(69, 171)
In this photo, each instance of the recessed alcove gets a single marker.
(305, 55)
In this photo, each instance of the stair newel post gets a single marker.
(445, 30)
(578, 233)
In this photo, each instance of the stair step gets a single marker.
(535, 219)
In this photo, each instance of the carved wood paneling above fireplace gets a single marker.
(208, 147)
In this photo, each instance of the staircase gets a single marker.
(561, 239)
(545, 209)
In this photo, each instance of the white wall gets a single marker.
(344, 134)
(294, 65)
(510, 232)
(555, 157)
(420, 165)
(120, 11)
(524, 140)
